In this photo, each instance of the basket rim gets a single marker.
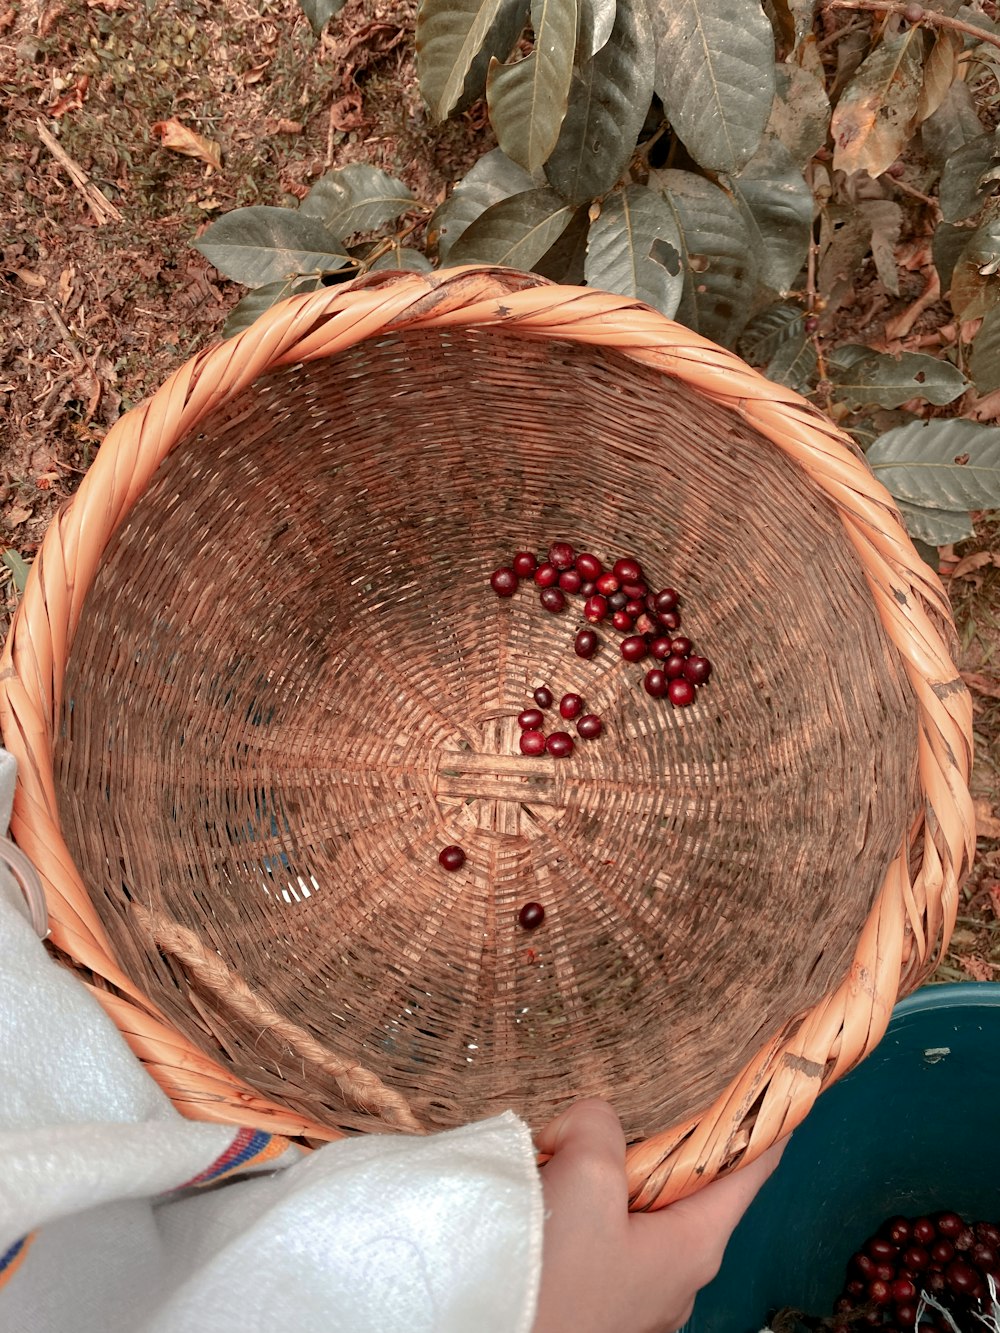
(912, 917)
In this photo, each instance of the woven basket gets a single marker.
(258, 679)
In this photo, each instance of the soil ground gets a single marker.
(102, 296)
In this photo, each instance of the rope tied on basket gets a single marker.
(359, 1085)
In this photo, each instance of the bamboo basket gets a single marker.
(258, 679)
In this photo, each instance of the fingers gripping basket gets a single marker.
(258, 680)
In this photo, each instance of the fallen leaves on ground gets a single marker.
(181, 139)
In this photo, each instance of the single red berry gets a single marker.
(697, 670)
(682, 646)
(914, 1259)
(666, 600)
(983, 1256)
(589, 726)
(627, 570)
(674, 666)
(530, 720)
(607, 584)
(570, 581)
(655, 683)
(452, 858)
(670, 619)
(903, 1289)
(623, 621)
(961, 1277)
(913, 13)
(637, 590)
(880, 1249)
(531, 916)
(924, 1231)
(635, 607)
(595, 608)
(587, 588)
(886, 1270)
(559, 744)
(634, 649)
(878, 1292)
(617, 601)
(941, 1251)
(811, 324)
(589, 565)
(906, 1314)
(546, 575)
(660, 646)
(854, 1287)
(504, 582)
(553, 599)
(524, 563)
(948, 1224)
(532, 742)
(570, 705)
(562, 555)
(680, 693)
(542, 696)
(988, 1233)
(586, 643)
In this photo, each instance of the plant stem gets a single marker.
(929, 17)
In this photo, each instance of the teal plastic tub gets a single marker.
(914, 1128)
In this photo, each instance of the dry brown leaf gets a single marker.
(49, 18)
(994, 892)
(17, 515)
(33, 280)
(874, 117)
(7, 18)
(345, 113)
(179, 139)
(71, 100)
(987, 825)
(977, 968)
(979, 684)
(289, 127)
(970, 563)
(256, 74)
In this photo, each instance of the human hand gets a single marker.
(605, 1270)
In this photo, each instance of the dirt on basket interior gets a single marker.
(96, 313)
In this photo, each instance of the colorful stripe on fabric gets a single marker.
(250, 1148)
(11, 1261)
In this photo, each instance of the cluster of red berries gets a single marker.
(941, 1256)
(622, 597)
(557, 743)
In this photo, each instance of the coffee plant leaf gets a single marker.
(969, 176)
(261, 245)
(885, 219)
(975, 280)
(492, 178)
(984, 362)
(934, 527)
(794, 363)
(565, 260)
(528, 100)
(404, 259)
(800, 114)
(889, 381)
(715, 76)
(634, 248)
(940, 72)
(597, 20)
(954, 124)
(498, 43)
(247, 310)
(767, 331)
(449, 36)
(720, 265)
(356, 198)
(874, 118)
(946, 463)
(778, 207)
(947, 244)
(609, 98)
(319, 12)
(18, 566)
(515, 232)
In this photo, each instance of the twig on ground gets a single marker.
(103, 209)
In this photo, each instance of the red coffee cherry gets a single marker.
(627, 570)
(655, 683)
(524, 564)
(595, 608)
(546, 576)
(559, 744)
(586, 643)
(697, 670)
(504, 582)
(606, 584)
(530, 719)
(589, 726)
(570, 705)
(452, 858)
(680, 693)
(589, 565)
(570, 581)
(553, 599)
(532, 742)
(531, 916)
(562, 555)
(634, 649)
(542, 696)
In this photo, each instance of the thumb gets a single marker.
(587, 1147)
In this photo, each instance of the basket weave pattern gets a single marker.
(290, 686)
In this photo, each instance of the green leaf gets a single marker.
(449, 35)
(715, 76)
(800, 115)
(405, 259)
(319, 12)
(794, 363)
(885, 217)
(564, 260)
(984, 363)
(498, 43)
(889, 381)
(952, 125)
(875, 115)
(256, 302)
(260, 245)
(18, 566)
(947, 245)
(975, 284)
(597, 19)
(923, 464)
(720, 267)
(609, 98)
(528, 100)
(935, 527)
(634, 248)
(969, 174)
(940, 72)
(356, 198)
(766, 332)
(494, 177)
(516, 231)
(778, 207)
